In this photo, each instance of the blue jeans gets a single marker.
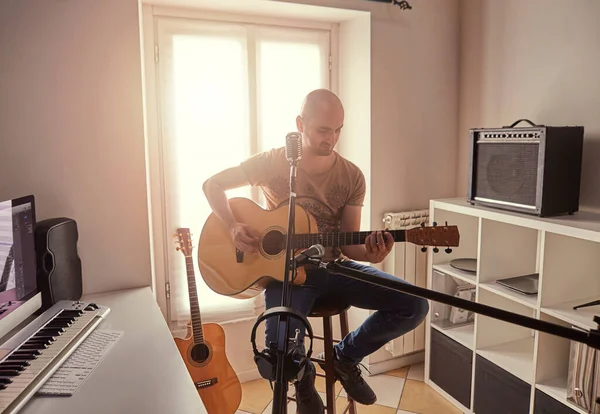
(396, 313)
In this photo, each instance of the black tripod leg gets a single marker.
(585, 305)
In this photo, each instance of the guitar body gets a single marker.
(216, 381)
(243, 276)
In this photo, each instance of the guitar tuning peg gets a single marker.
(436, 250)
(434, 223)
(423, 249)
(448, 250)
(423, 224)
(446, 224)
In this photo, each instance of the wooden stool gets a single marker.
(326, 308)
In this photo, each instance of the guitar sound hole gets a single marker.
(273, 242)
(199, 353)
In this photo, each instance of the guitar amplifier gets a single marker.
(534, 169)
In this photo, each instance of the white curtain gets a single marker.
(226, 91)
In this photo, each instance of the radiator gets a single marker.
(407, 262)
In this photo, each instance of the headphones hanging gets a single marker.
(294, 361)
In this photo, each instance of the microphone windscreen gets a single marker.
(293, 146)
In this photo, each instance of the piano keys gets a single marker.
(39, 349)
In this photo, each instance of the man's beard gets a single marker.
(322, 151)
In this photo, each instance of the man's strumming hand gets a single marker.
(377, 248)
(244, 237)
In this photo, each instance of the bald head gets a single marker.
(320, 121)
(320, 101)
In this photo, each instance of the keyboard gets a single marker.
(39, 349)
(79, 366)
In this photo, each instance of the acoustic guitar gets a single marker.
(203, 349)
(231, 272)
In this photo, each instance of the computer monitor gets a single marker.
(19, 294)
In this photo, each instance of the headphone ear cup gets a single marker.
(266, 365)
(300, 369)
(296, 362)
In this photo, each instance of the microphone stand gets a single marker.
(280, 389)
(590, 338)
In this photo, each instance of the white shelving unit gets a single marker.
(564, 251)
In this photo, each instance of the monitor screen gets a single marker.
(18, 281)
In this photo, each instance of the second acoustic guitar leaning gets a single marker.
(230, 272)
(203, 349)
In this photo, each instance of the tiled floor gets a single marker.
(401, 391)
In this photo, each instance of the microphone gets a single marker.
(293, 146)
(313, 253)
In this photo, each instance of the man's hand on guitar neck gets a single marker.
(377, 245)
(376, 248)
(244, 237)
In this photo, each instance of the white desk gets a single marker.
(142, 373)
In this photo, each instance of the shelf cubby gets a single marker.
(571, 276)
(447, 269)
(452, 323)
(498, 391)
(552, 365)
(507, 250)
(451, 367)
(505, 344)
(544, 404)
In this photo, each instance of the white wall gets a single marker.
(353, 85)
(71, 129)
(535, 59)
(414, 74)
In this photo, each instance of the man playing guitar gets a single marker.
(333, 190)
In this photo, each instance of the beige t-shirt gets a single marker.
(323, 195)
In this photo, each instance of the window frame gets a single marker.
(160, 240)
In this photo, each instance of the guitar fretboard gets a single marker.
(194, 306)
(341, 238)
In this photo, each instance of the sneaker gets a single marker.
(350, 377)
(308, 400)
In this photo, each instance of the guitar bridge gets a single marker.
(239, 255)
(206, 383)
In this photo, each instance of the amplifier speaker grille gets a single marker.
(508, 172)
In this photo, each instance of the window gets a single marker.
(226, 90)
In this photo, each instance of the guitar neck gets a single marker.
(194, 306)
(341, 238)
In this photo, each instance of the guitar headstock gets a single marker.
(184, 241)
(436, 236)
